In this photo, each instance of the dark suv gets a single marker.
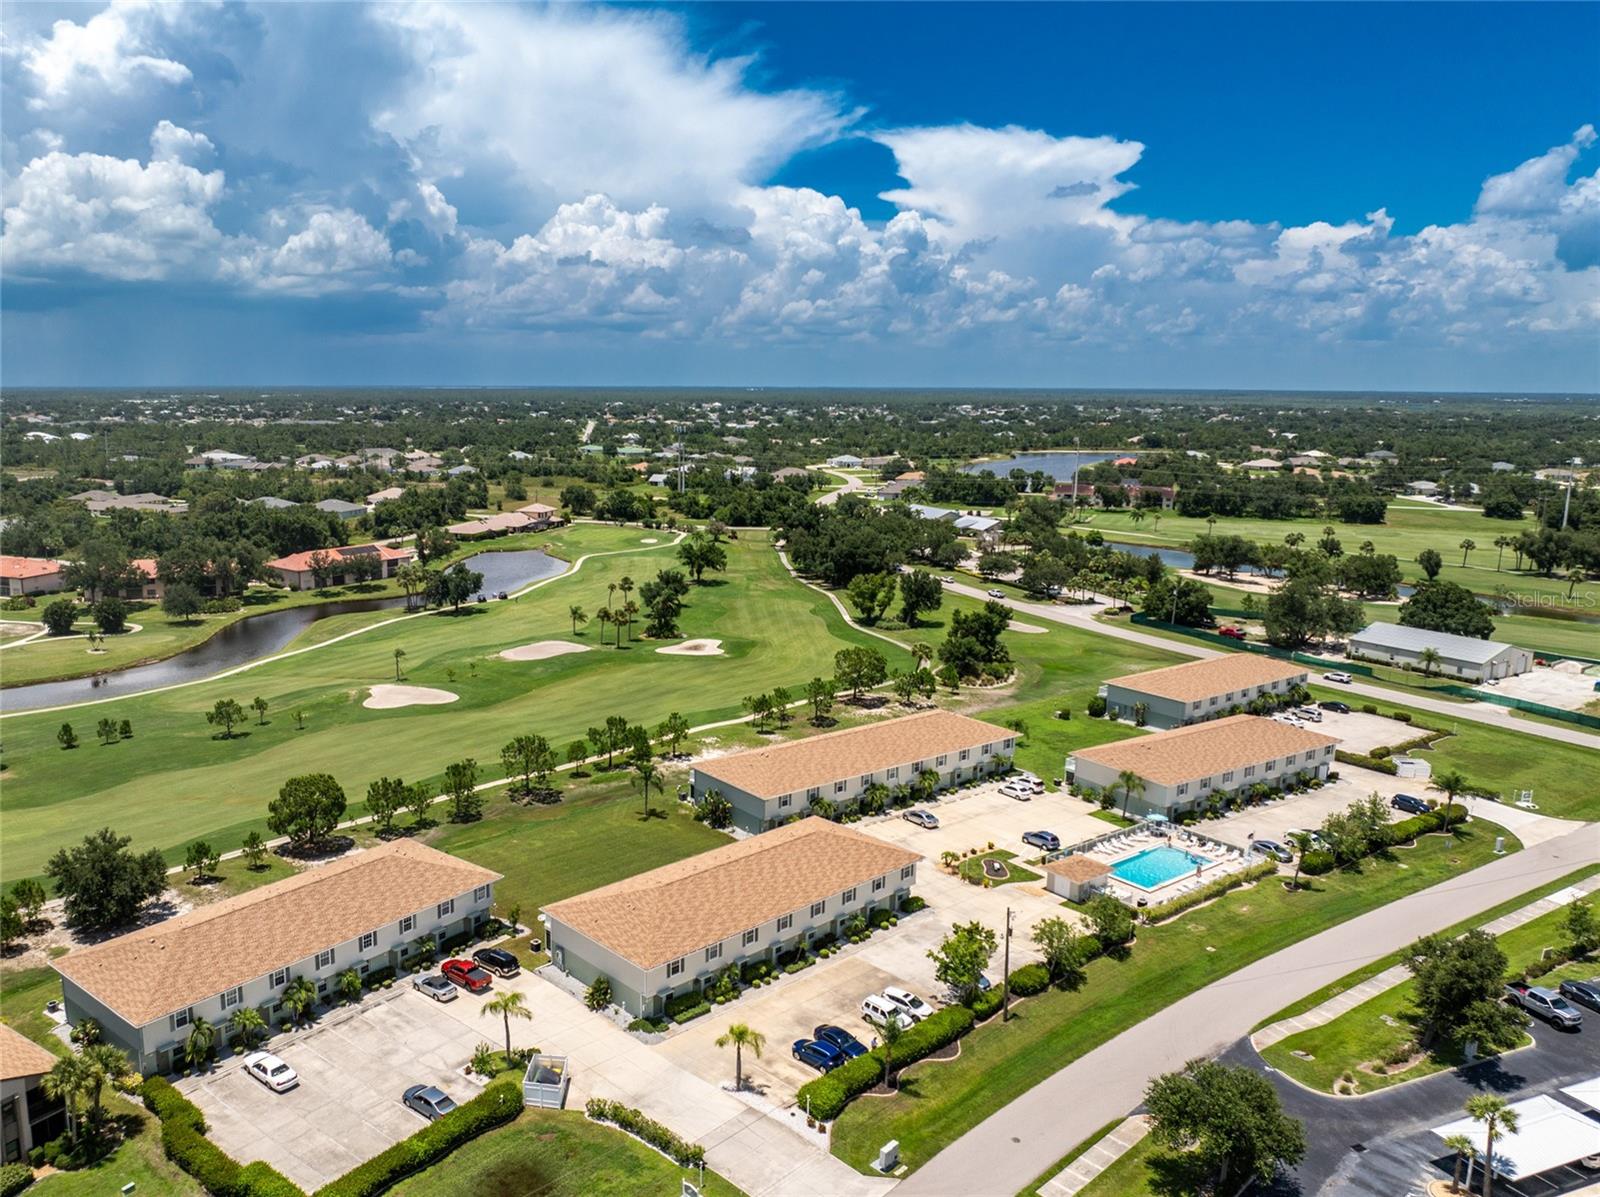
(498, 961)
(1409, 803)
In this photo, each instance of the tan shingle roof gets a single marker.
(1195, 680)
(684, 907)
(21, 1056)
(171, 965)
(853, 752)
(1205, 749)
(1077, 867)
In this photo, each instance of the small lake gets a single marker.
(1059, 466)
(258, 636)
(1183, 559)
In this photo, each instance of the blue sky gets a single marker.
(1308, 196)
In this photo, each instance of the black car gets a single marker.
(841, 1039)
(1338, 708)
(498, 961)
(1409, 803)
(1585, 993)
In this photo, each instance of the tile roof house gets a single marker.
(295, 571)
(363, 911)
(31, 575)
(666, 931)
(29, 1118)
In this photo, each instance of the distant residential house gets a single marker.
(40, 436)
(220, 459)
(28, 1118)
(895, 489)
(542, 514)
(101, 501)
(1303, 459)
(341, 508)
(30, 575)
(295, 571)
(843, 461)
(1196, 691)
(272, 502)
(1137, 494)
(1423, 487)
(639, 467)
(874, 463)
(1382, 455)
(1502, 467)
(923, 511)
(977, 525)
(150, 586)
(657, 479)
(461, 471)
(519, 455)
(387, 495)
(790, 472)
(314, 461)
(499, 524)
(1261, 463)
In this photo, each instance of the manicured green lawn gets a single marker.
(1055, 1168)
(138, 1161)
(937, 1103)
(557, 1153)
(1385, 1023)
(23, 993)
(773, 632)
(1129, 1176)
(972, 868)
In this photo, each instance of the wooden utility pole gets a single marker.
(1005, 991)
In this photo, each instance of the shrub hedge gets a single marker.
(1214, 889)
(1029, 980)
(1365, 761)
(498, 1104)
(1316, 862)
(665, 1140)
(1435, 820)
(14, 1178)
(690, 1013)
(829, 1093)
(185, 1144)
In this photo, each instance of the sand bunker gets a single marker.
(694, 648)
(388, 697)
(1031, 628)
(649, 540)
(542, 650)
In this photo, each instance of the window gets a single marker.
(783, 802)
(1271, 765)
(1195, 706)
(1010, 744)
(408, 924)
(675, 967)
(918, 767)
(752, 936)
(939, 764)
(813, 793)
(838, 787)
(866, 779)
(324, 959)
(849, 896)
(182, 1019)
(446, 909)
(878, 883)
(1205, 783)
(1288, 762)
(1328, 751)
(965, 753)
(894, 772)
(818, 909)
(907, 872)
(1230, 696)
(281, 977)
(1311, 756)
(1227, 777)
(1249, 770)
(1212, 701)
(785, 922)
(368, 940)
(714, 952)
(232, 997)
(1183, 787)
(480, 894)
(987, 749)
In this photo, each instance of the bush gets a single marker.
(1215, 889)
(1368, 708)
(1029, 980)
(221, 606)
(1402, 716)
(378, 976)
(1097, 707)
(14, 1178)
(1316, 862)
(1366, 762)
(18, 602)
(913, 903)
(598, 995)
(498, 1104)
(690, 1013)
(59, 617)
(986, 1004)
(831, 1092)
(1380, 753)
(663, 1139)
(646, 1024)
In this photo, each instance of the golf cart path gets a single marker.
(1474, 712)
(1025, 1137)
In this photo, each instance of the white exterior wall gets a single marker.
(1508, 662)
(1165, 713)
(755, 813)
(1196, 791)
(150, 1044)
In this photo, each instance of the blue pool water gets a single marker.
(1157, 866)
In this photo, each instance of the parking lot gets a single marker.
(1360, 732)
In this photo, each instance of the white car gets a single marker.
(1337, 676)
(1027, 781)
(908, 1002)
(1020, 792)
(878, 1010)
(946, 579)
(271, 1071)
(999, 594)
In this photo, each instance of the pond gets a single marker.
(1183, 559)
(258, 636)
(1058, 465)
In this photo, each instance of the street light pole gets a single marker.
(1005, 991)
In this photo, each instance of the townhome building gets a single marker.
(1198, 690)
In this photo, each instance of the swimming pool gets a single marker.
(1155, 867)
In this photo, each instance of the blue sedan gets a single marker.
(824, 1057)
(841, 1039)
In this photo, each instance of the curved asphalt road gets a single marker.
(1017, 1143)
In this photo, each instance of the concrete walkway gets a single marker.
(1390, 977)
(1097, 1159)
(1019, 1141)
(1474, 712)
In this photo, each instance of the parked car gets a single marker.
(1028, 780)
(1273, 849)
(1338, 708)
(467, 975)
(498, 961)
(1585, 993)
(908, 1001)
(1042, 839)
(1020, 792)
(1409, 803)
(924, 819)
(1232, 633)
(431, 1103)
(1313, 838)
(1311, 713)
(1545, 1003)
(1337, 675)
(435, 986)
(946, 579)
(271, 1071)
(842, 1039)
(999, 594)
(824, 1057)
(877, 1009)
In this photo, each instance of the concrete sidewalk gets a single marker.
(1076, 1175)
(1019, 1141)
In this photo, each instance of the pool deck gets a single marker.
(1123, 846)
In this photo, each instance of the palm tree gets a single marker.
(1466, 546)
(1449, 783)
(1465, 1150)
(741, 1037)
(508, 1004)
(625, 584)
(1575, 575)
(922, 652)
(629, 613)
(202, 1037)
(1131, 784)
(1496, 1113)
(106, 1064)
(1502, 543)
(648, 775)
(399, 655)
(576, 614)
(1429, 659)
(603, 618)
(349, 983)
(611, 590)
(67, 1082)
(298, 998)
(247, 1024)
